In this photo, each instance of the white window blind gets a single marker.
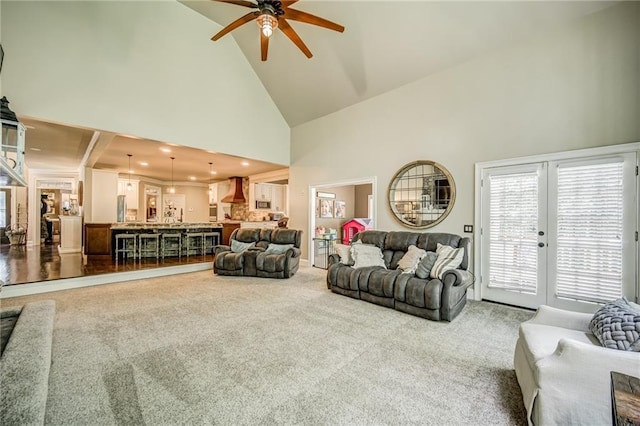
(590, 223)
(513, 222)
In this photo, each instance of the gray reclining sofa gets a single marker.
(429, 298)
(257, 260)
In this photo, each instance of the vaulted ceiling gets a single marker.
(386, 44)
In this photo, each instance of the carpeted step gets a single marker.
(25, 364)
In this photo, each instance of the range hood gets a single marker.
(235, 195)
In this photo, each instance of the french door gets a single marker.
(561, 233)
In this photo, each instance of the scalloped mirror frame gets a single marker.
(427, 209)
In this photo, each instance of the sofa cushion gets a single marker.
(448, 258)
(617, 325)
(229, 261)
(365, 255)
(400, 240)
(423, 293)
(270, 262)
(286, 236)
(377, 281)
(278, 248)
(239, 247)
(423, 270)
(247, 235)
(411, 259)
(375, 238)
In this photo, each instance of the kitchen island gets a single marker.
(185, 230)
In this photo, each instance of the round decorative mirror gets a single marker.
(421, 194)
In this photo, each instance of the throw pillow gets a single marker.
(344, 251)
(367, 255)
(423, 270)
(277, 248)
(409, 262)
(617, 325)
(239, 247)
(448, 258)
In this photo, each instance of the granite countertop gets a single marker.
(162, 225)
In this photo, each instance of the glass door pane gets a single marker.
(513, 235)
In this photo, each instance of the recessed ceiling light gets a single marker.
(192, 177)
(245, 163)
(144, 163)
(213, 172)
(131, 171)
(35, 149)
(163, 149)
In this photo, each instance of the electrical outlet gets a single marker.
(468, 228)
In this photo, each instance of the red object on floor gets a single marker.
(353, 226)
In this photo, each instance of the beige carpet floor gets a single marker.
(199, 349)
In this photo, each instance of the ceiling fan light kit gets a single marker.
(273, 14)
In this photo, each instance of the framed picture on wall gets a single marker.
(324, 208)
(340, 209)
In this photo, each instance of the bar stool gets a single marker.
(209, 241)
(175, 239)
(125, 245)
(194, 242)
(148, 244)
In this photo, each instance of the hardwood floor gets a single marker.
(22, 264)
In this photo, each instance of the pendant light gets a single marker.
(172, 189)
(129, 186)
(210, 173)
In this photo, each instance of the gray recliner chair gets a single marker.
(274, 253)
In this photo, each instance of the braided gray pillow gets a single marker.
(617, 325)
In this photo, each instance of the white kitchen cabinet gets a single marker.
(263, 191)
(218, 191)
(278, 198)
(271, 192)
(131, 196)
(213, 193)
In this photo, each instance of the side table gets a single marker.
(625, 399)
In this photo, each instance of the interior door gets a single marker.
(514, 235)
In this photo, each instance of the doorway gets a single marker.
(330, 206)
(5, 214)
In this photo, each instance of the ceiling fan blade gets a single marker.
(293, 36)
(298, 15)
(264, 46)
(239, 3)
(235, 24)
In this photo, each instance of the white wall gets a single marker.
(147, 69)
(578, 87)
(100, 196)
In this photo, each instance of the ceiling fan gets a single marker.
(272, 14)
